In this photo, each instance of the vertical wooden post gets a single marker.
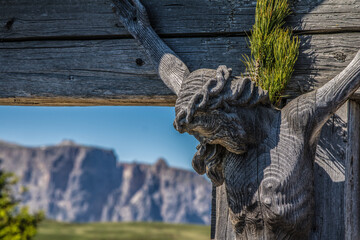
(352, 179)
(221, 227)
(329, 183)
(213, 213)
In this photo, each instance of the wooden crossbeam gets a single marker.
(117, 72)
(56, 19)
(73, 52)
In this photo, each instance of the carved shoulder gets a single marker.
(300, 113)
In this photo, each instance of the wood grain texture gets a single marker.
(321, 58)
(224, 228)
(85, 18)
(356, 96)
(79, 72)
(329, 177)
(352, 184)
(84, 57)
(263, 156)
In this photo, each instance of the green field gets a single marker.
(50, 230)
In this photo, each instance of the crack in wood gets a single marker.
(175, 35)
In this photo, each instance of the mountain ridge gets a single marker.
(77, 183)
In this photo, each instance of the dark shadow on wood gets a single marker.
(329, 173)
(307, 57)
(305, 72)
(329, 169)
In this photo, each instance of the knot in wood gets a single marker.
(139, 62)
(9, 24)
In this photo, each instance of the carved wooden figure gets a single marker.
(263, 155)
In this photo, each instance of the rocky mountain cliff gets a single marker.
(77, 183)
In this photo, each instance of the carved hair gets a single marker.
(203, 91)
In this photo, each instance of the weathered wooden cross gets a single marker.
(260, 159)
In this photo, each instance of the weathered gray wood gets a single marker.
(213, 213)
(356, 96)
(85, 18)
(168, 66)
(352, 184)
(270, 182)
(224, 229)
(329, 180)
(263, 156)
(114, 72)
(321, 58)
(106, 72)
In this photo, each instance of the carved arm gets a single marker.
(336, 92)
(132, 14)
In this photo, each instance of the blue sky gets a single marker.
(141, 134)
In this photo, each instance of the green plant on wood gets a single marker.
(15, 223)
(274, 50)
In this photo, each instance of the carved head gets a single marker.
(209, 107)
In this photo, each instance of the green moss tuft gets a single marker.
(274, 50)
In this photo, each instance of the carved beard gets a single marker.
(209, 159)
(216, 140)
(232, 138)
(222, 128)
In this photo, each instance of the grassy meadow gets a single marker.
(121, 231)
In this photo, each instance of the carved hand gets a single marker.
(132, 14)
